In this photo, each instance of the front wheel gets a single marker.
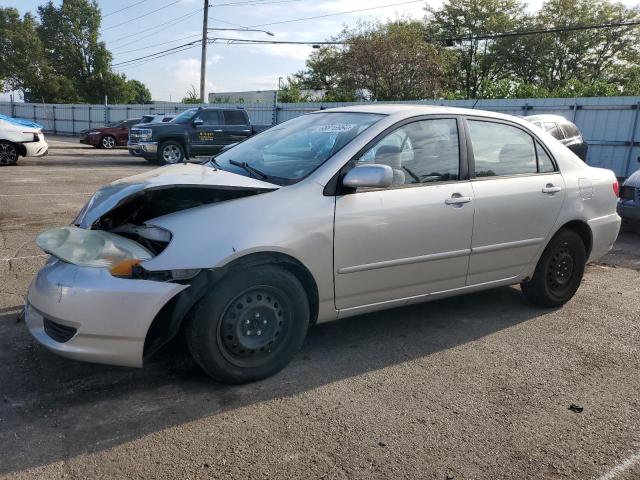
(108, 142)
(170, 153)
(559, 271)
(8, 153)
(250, 326)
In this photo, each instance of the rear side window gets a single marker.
(545, 165)
(234, 117)
(501, 149)
(570, 130)
(553, 129)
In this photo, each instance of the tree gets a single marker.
(192, 96)
(140, 94)
(291, 92)
(389, 61)
(480, 61)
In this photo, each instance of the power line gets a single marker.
(336, 14)
(227, 23)
(141, 16)
(248, 41)
(172, 21)
(122, 9)
(143, 62)
(155, 44)
(173, 49)
(523, 33)
(254, 2)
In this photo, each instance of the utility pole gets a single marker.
(203, 59)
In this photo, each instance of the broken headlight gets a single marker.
(93, 248)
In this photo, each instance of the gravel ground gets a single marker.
(476, 387)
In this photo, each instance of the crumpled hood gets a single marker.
(633, 180)
(170, 177)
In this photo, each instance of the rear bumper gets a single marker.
(604, 232)
(629, 209)
(111, 315)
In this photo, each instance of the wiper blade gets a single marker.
(249, 168)
(214, 162)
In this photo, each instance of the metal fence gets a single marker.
(609, 124)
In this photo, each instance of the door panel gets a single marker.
(398, 243)
(513, 217)
(208, 137)
(517, 195)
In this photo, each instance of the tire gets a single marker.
(170, 153)
(8, 154)
(559, 271)
(250, 326)
(108, 142)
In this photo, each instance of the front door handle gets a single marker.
(550, 188)
(457, 200)
(217, 130)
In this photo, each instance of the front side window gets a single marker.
(185, 116)
(290, 151)
(419, 152)
(209, 117)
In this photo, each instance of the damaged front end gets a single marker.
(100, 261)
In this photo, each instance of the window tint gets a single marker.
(210, 117)
(146, 119)
(545, 165)
(234, 117)
(501, 149)
(419, 152)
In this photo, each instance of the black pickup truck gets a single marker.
(197, 131)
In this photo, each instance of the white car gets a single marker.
(329, 215)
(20, 138)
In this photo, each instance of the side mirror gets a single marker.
(198, 121)
(369, 176)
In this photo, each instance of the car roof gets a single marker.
(410, 110)
(547, 117)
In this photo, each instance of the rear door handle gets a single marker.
(550, 188)
(457, 199)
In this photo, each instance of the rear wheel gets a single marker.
(559, 271)
(8, 153)
(251, 326)
(170, 152)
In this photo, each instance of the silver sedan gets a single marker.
(328, 215)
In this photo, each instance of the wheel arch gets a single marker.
(169, 320)
(583, 229)
(22, 150)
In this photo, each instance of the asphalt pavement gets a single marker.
(474, 387)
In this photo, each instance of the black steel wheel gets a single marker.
(254, 326)
(251, 324)
(559, 271)
(8, 153)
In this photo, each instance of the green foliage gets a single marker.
(192, 96)
(59, 57)
(292, 92)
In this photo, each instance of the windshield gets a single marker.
(288, 152)
(185, 116)
(115, 124)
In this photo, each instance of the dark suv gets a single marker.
(194, 132)
(564, 130)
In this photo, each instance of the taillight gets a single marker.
(616, 188)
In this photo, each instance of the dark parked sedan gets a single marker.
(113, 135)
(564, 130)
(629, 203)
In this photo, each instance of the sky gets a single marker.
(171, 23)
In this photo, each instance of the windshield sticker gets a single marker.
(334, 127)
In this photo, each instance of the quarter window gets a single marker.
(545, 165)
(500, 149)
(420, 152)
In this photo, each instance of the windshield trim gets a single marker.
(284, 181)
